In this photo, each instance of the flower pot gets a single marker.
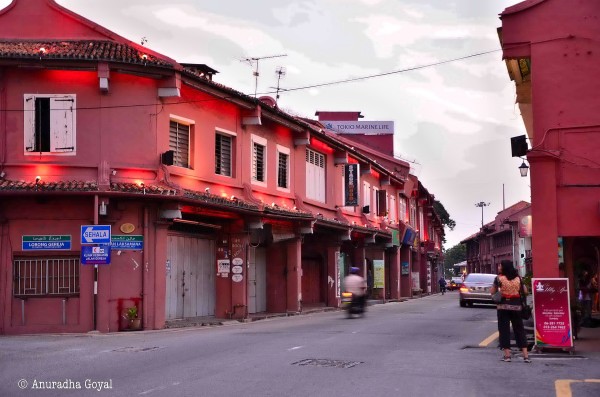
(135, 323)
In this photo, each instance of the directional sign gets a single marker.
(45, 243)
(91, 255)
(95, 234)
(127, 242)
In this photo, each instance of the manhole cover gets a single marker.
(321, 362)
(130, 349)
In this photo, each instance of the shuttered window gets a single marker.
(282, 170)
(49, 123)
(258, 162)
(223, 146)
(179, 143)
(315, 175)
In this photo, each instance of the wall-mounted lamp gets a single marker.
(42, 52)
(523, 169)
(2, 174)
(233, 198)
(113, 172)
(207, 190)
(38, 179)
(102, 209)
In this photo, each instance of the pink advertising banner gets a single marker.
(552, 312)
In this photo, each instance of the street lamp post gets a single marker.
(482, 204)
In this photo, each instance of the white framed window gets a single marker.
(49, 123)
(413, 213)
(367, 209)
(224, 152)
(421, 225)
(315, 175)
(180, 140)
(403, 214)
(374, 203)
(392, 208)
(259, 160)
(283, 168)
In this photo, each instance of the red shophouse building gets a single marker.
(219, 204)
(551, 51)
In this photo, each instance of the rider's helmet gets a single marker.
(354, 270)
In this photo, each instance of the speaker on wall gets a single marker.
(518, 146)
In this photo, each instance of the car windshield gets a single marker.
(480, 278)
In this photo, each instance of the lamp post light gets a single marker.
(482, 204)
(523, 169)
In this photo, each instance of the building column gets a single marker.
(294, 275)
(334, 275)
(394, 264)
(405, 279)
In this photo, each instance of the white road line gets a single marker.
(295, 348)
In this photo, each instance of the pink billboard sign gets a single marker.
(552, 313)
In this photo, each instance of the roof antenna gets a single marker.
(252, 60)
(280, 72)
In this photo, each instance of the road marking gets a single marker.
(152, 390)
(563, 386)
(489, 339)
(295, 348)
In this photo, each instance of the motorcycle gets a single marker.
(352, 305)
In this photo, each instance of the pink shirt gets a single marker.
(355, 284)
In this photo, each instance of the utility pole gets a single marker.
(481, 204)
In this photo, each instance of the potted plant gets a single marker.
(131, 313)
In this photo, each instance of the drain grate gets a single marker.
(130, 349)
(322, 362)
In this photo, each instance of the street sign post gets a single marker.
(91, 255)
(95, 234)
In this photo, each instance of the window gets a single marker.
(315, 175)
(413, 213)
(179, 143)
(46, 276)
(403, 215)
(49, 123)
(223, 154)
(393, 209)
(259, 160)
(366, 198)
(283, 168)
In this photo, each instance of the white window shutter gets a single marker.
(29, 122)
(62, 124)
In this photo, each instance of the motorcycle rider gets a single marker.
(355, 284)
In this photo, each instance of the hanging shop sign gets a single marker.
(351, 185)
(378, 273)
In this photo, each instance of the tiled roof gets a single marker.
(90, 50)
(219, 201)
(66, 186)
(145, 189)
(287, 212)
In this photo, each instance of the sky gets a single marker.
(453, 121)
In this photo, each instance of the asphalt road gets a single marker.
(421, 347)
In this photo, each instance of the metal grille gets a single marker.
(223, 155)
(320, 362)
(179, 143)
(46, 276)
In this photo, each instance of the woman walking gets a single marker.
(509, 309)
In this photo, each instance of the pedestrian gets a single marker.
(509, 309)
(585, 297)
(442, 283)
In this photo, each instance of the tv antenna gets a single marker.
(280, 72)
(254, 61)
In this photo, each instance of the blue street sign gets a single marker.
(95, 234)
(99, 255)
(46, 243)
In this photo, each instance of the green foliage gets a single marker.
(454, 255)
(131, 312)
(443, 214)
